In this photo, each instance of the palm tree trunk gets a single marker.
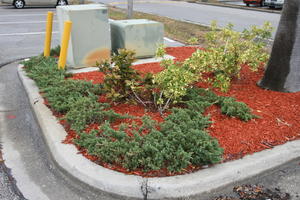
(283, 69)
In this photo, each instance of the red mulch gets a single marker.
(278, 121)
(96, 77)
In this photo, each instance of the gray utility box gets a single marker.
(140, 35)
(90, 36)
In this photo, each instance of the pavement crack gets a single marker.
(144, 188)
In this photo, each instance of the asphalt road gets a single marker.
(32, 170)
(199, 13)
(22, 32)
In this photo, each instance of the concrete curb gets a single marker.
(234, 6)
(129, 186)
(4, 63)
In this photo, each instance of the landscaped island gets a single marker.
(173, 117)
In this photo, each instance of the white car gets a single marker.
(21, 3)
(274, 3)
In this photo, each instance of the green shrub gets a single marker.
(199, 99)
(123, 83)
(75, 98)
(60, 92)
(85, 111)
(172, 84)
(193, 41)
(119, 76)
(180, 142)
(55, 51)
(65, 93)
(185, 120)
(227, 50)
(44, 71)
(240, 110)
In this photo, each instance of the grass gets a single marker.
(174, 29)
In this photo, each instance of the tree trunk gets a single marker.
(283, 69)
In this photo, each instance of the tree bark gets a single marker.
(283, 69)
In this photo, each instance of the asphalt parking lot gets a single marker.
(22, 32)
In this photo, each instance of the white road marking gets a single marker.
(169, 40)
(24, 15)
(54, 32)
(21, 34)
(25, 22)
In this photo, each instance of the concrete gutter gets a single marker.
(233, 6)
(4, 63)
(134, 187)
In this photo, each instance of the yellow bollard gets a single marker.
(64, 45)
(47, 45)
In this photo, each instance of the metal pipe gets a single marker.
(64, 45)
(48, 36)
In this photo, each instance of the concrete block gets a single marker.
(141, 35)
(90, 36)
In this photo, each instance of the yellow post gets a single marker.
(47, 45)
(64, 45)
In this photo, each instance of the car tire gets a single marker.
(62, 3)
(19, 4)
(247, 4)
(272, 7)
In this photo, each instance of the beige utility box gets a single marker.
(141, 35)
(90, 40)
